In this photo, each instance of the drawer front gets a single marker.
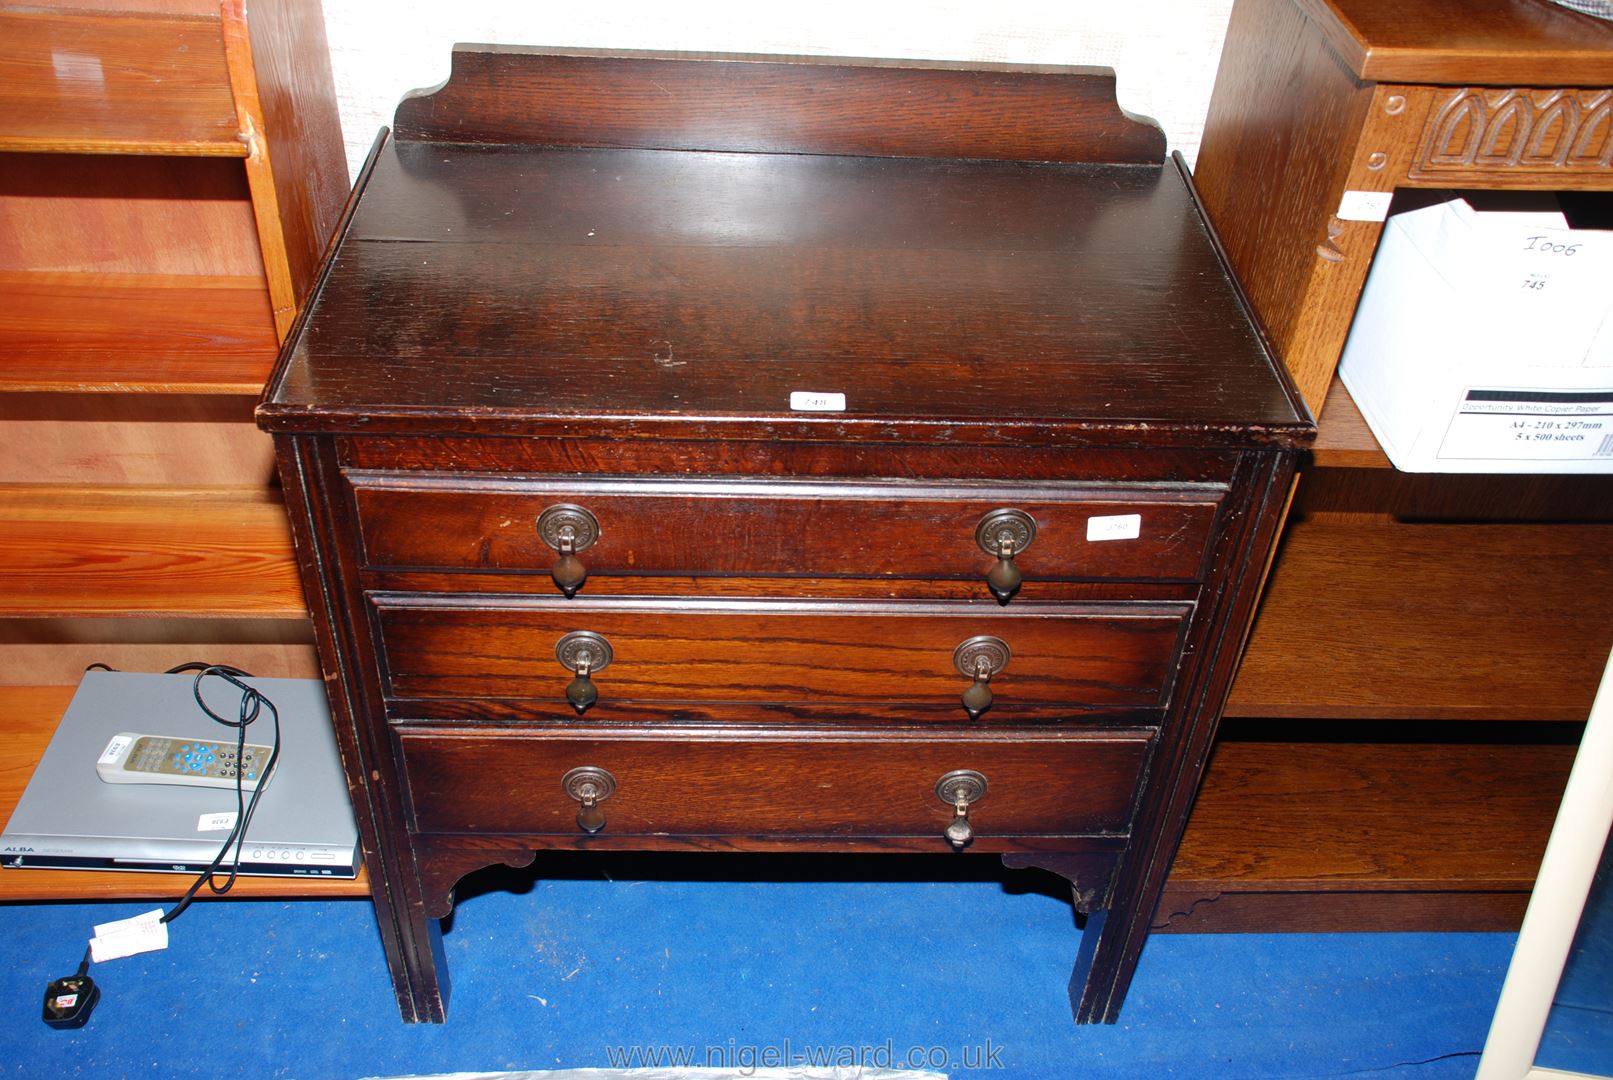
(759, 786)
(779, 652)
(787, 528)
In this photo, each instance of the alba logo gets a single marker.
(10, 850)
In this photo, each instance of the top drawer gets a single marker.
(787, 528)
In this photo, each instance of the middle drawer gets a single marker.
(779, 652)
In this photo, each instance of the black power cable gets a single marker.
(69, 1000)
(253, 702)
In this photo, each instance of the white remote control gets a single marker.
(161, 759)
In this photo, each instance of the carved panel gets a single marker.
(1522, 130)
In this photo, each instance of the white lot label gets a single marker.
(1364, 206)
(114, 749)
(216, 822)
(126, 937)
(817, 401)
(1115, 527)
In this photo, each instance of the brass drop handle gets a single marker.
(1005, 533)
(583, 652)
(980, 658)
(590, 786)
(568, 529)
(960, 789)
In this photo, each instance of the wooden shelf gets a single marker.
(1390, 620)
(31, 714)
(1424, 828)
(89, 333)
(1344, 440)
(115, 82)
(82, 552)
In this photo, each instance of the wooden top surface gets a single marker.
(1462, 43)
(542, 290)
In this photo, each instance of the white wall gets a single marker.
(1164, 51)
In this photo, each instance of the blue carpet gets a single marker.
(1579, 1031)
(578, 971)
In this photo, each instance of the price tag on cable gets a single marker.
(126, 937)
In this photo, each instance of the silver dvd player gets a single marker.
(68, 818)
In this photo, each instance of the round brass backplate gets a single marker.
(994, 651)
(564, 521)
(571, 650)
(961, 785)
(1015, 527)
(589, 782)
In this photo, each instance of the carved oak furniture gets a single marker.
(742, 454)
(1386, 795)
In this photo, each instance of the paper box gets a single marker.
(1484, 341)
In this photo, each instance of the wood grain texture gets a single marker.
(113, 83)
(525, 319)
(702, 285)
(106, 552)
(510, 784)
(1344, 817)
(1520, 42)
(795, 105)
(744, 528)
(285, 100)
(740, 651)
(58, 650)
(126, 215)
(1345, 440)
(1388, 496)
(1189, 910)
(1432, 621)
(160, 440)
(31, 714)
(1318, 97)
(1270, 163)
(1103, 970)
(431, 455)
(1288, 132)
(1555, 138)
(134, 333)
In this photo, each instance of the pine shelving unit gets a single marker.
(170, 171)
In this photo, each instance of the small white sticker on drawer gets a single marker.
(1115, 527)
(817, 401)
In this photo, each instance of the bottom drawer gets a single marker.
(1039, 784)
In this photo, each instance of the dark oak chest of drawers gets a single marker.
(734, 454)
